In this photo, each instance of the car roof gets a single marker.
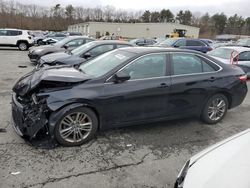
(142, 50)
(76, 37)
(111, 42)
(236, 48)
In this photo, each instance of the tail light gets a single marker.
(210, 49)
(243, 78)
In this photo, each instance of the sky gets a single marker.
(229, 7)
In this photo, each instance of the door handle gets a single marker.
(162, 85)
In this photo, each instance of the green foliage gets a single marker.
(219, 21)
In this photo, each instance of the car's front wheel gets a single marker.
(215, 109)
(23, 46)
(76, 127)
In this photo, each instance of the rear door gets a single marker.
(193, 79)
(144, 96)
(13, 36)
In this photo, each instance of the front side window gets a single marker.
(194, 43)
(189, 64)
(101, 49)
(244, 56)
(180, 43)
(149, 66)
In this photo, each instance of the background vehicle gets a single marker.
(243, 42)
(190, 44)
(82, 53)
(16, 38)
(68, 43)
(177, 33)
(124, 87)
(225, 164)
(143, 42)
(237, 55)
(51, 38)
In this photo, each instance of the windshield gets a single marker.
(168, 42)
(79, 50)
(105, 63)
(224, 53)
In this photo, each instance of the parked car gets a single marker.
(237, 55)
(243, 42)
(51, 38)
(68, 43)
(143, 42)
(16, 38)
(223, 165)
(81, 54)
(123, 87)
(73, 33)
(190, 44)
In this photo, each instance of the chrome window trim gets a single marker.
(164, 53)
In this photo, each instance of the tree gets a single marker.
(69, 12)
(184, 17)
(155, 17)
(146, 17)
(247, 24)
(166, 15)
(235, 23)
(219, 21)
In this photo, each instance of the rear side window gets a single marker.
(14, 33)
(189, 64)
(195, 43)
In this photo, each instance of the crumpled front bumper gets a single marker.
(31, 125)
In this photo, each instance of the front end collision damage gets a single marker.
(33, 102)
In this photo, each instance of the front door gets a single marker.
(143, 97)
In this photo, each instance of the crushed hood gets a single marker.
(61, 74)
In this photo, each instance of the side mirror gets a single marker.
(87, 55)
(121, 77)
(176, 46)
(65, 46)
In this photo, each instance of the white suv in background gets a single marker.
(16, 38)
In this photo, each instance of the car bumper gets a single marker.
(239, 93)
(33, 57)
(25, 121)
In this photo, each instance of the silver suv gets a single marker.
(16, 38)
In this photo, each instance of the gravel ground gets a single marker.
(140, 156)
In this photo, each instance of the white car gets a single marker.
(237, 55)
(223, 165)
(16, 38)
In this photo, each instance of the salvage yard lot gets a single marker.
(139, 156)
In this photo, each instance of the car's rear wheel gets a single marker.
(76, 127)
(215, 109)
(23, 46)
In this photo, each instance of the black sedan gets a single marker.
(68, 43)
(124, 87)
(82, 53)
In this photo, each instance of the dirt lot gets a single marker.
(139, 156)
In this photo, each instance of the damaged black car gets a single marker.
(68, 105)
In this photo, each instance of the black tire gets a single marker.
(207, 109)
(23, 46)
(90, 114)
(40, 42)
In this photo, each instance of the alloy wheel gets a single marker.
(216, 109)
(75, 127)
